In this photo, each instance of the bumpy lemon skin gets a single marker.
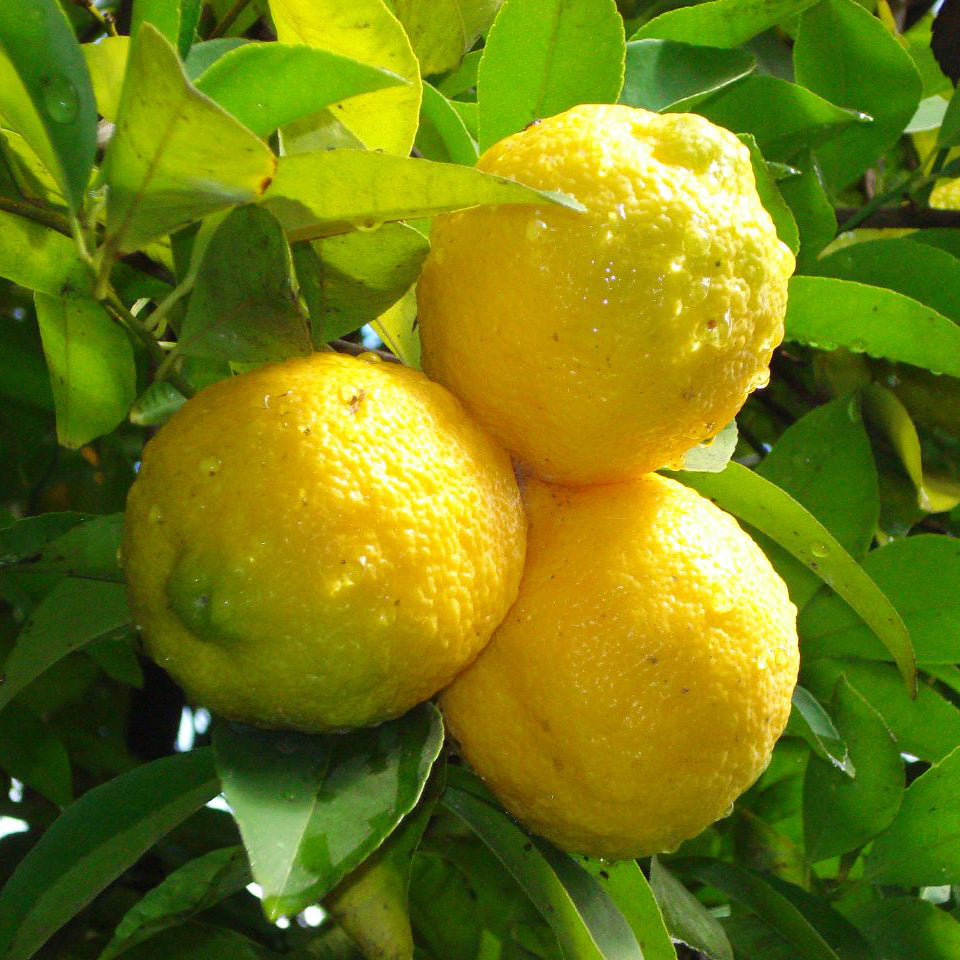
(598, 346)
(640, 681)
(321, 544)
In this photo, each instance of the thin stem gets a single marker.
(881, 199)
(228, 20)
(105, 19)
(157, 319)
(49, 218)
(166, 365)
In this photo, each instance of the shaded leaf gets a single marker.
(687, 919)
(199, 941)
(34, 754)
(156, 405)
(442, 134)
(812, 209)
(397, 329)
(39, 258)
(809, 721)
(107, 63)
(23, 538)
(442, 31)
(88, 549)
(770, 197)
(906, 928)
(543, 57)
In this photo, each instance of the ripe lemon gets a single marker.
(322, 543)
(598, 346)
(637, 686)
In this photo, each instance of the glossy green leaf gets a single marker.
(175, 156)
(809, 721)
(34, 754)
(267, 85)
(39, 258)
(243, 306)
(203, 55)
(916, 270)
(442, 31)
(770, 196)
(812, 210)
(584, 919)
(783, 117)
(156, 405)
(442, 134)
(626, 885)
(755, 893)
(713, 455)
(543, 57)
(45, 91)
(721, 23)
(311, 808)
(200, 941)
(907, 928)
(774, 512)
(320, 194)
(87, 550)
(668, 74)
(352, 278)
(76, 612)
(841, 813)
(198, 885)
(922, 845)
(397, 328)
(687, 919)
(827, 313)
(847, 56)
(92, 372)
(95, 840)
(107, 63)
(921, 576)
(365, 30)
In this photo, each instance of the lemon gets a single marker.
(598, 346)
(639, 682)
(321, 544)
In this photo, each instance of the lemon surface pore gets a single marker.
(637, 686)
(598, 346)
(322, 543)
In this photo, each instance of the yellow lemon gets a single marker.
(598, 346)
(637, 686)
(321, 543)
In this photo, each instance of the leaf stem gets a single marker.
(49, 218)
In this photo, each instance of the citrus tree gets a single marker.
(190, 191)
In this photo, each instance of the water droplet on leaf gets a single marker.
(61, 102)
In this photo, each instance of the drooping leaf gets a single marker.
(320, 194)
(267, 85)
(244, 307)
(906, 928)
(312, 808)
(686, 918)
(92, 372)
(827, 313)
(543, 57)
(40, 258)
(812, 723)
(45, 91)
(95, 839)
(774, 512)
(841, 813)
(847, 56)
(175, 156)
(667, 74)
(34, 754)
(367, 31)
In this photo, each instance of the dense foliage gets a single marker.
(188, 189)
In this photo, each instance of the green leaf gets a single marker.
(92, 372)
(721, 23)
(667, 74)
(827, 313)
(842, 813)
(244, 307)
(164, 15)
(442, 134)
(107, 63)
(199, 884)
(922, 845)
(811, 208)
(713, 455)
(585, 920)
(175, 156)
(543, 57)
(397, 328)
(311, 808)
(203, 55)
(95, 840)
(350, 279)
(442, 31)
(267, 85)
(320, 194)
(809, 721)
(783, 117)
(364, 30)
(463, 79)
(76, 612)
(774, 512)
(41, 259)
(628, 888)
(921, 576)
(916, 270)
(770, 197)
(949, 135)
(25, 537)
(33, 753)
(88, 550)
(907, 928)
(45, 91)
(156, 405)
(847, 56)
(755, 893)
(687, 919)
(200, 941)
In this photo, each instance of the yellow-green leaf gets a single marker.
(107, 62)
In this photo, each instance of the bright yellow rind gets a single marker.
(322, 543)
(602, 345)
(640, 681)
